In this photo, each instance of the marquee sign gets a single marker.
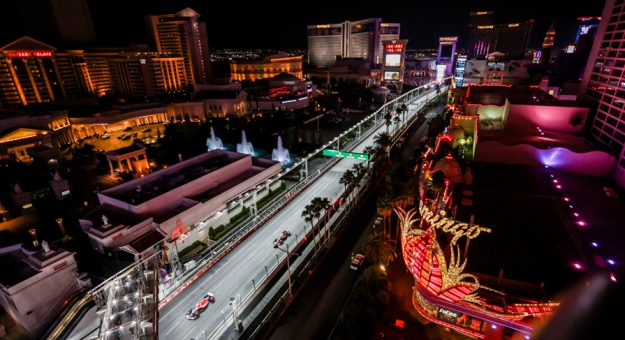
(397, 47)
(28, 54)
(448, 225)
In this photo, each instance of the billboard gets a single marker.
(394, 47)
(392, 60)
(391, 76)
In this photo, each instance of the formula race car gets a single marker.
(194, 313)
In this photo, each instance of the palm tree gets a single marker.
(384, 209)
(404, 110)
(380, 249)
(369, 150)
(347, 180)
(388, 118)
(309, 214)
(384, 141)
(322, 204)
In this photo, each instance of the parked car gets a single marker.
(129, 128)
(357, 261)
(146, 130)
(105, 136)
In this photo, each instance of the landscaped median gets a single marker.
(216, 233)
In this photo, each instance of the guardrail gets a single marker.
(221, 250)
(218, 326)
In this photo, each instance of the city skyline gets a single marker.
(283, 26)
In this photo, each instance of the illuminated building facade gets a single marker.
(22, 132)
(35, 285)
(602, 84)
(550, 37)
(446, 55)
(183, 35)
(85, 73)
(485, 37)
(349, 39)
(325, 43)
(459, 68)
(267, 68)
(394, 56)
(28, 73)
(147, 74)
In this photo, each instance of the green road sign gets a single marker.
(342, 154)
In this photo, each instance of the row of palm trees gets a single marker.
(318, 207)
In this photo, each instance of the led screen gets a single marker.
(393, 60)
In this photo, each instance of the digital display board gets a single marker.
(393, 60)
(391, 75)
(495, 65)
(394, 47)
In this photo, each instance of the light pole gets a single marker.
(235, 315)
(288, 264)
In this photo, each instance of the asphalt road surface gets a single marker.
(232, 276)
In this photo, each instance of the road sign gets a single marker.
(342, 154)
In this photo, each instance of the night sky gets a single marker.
(282, 24)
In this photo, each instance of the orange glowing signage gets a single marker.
(28, 54)
(179, 231)
(481, 13)
(485, 27)
(323, 26)
(513, 25)
(447, 40)
(394, 48)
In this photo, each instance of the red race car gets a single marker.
(194, 313)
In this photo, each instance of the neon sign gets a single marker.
(28, 54)
(446, 224)
(323, 26)
(394, 48)
(485, 27)
(60, 265)
(448, 40)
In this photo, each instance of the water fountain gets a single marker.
(245, 146)
(281, 154)
(214, 143)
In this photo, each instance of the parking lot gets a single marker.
(118, 139)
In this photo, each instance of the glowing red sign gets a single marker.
(179, 231)
(394, 48)
(60, 265)
(28, 54)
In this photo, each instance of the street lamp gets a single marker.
(288, 264)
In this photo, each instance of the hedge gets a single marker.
(184, 252)
(270, 195)
(216, 233)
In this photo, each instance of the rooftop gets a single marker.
(114, 215)
(143, 189)
(14, 269)
(535, 235)
(549, 140)
(125, 150)
(146, 240)
(517, 94)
